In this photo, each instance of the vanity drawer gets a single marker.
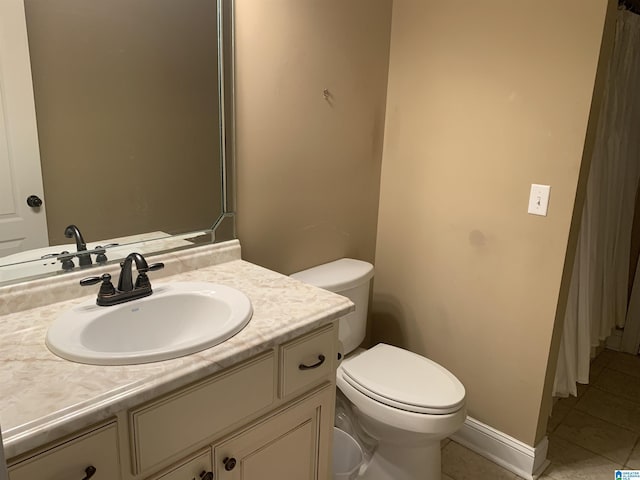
(191, 468)
(308, 360)
(173, 424)
(69, 460)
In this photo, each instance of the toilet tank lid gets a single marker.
(338, 275)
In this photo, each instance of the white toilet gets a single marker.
(405, 402)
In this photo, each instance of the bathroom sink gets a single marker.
(177, 319)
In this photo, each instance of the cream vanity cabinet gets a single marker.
(270, 417)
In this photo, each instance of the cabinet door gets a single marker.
(194, 468)
(292, 444)
(167, 426)
(69, 461)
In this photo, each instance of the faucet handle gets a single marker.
(143, 281)
(66, 259)
(155, 266)
(100, 252)
(91, 281)
(106, 288)
(151, 268)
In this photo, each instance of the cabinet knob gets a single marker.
(90, 471)
(206, 476)
(229, 463)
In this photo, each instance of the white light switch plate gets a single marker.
(539, 199)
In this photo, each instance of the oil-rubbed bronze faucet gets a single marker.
(74, 232)
(127, 290)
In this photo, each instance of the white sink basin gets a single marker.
(177, 319)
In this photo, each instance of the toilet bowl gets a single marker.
(405, 402)
(408, 404)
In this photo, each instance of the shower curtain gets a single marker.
(599, 284)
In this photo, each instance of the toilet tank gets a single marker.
(350, 278)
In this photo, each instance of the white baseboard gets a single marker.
(517, 457)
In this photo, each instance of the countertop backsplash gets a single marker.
(66, 286)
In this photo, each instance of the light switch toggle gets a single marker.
(539, 199)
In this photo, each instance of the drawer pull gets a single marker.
(206, 476)
(229, 463)
(320, 361)
(90, 471)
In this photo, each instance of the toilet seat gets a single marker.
(404, 380)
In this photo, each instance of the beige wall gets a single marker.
(484, 99)
(309, 167)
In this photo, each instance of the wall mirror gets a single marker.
(134, 113)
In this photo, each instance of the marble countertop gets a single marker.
(44, 397)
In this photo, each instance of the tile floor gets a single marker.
(589, 436)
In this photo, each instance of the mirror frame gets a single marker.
(226, 85)
(223, 228)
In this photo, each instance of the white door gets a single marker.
(22, 227)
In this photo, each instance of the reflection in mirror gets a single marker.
(131, 126)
